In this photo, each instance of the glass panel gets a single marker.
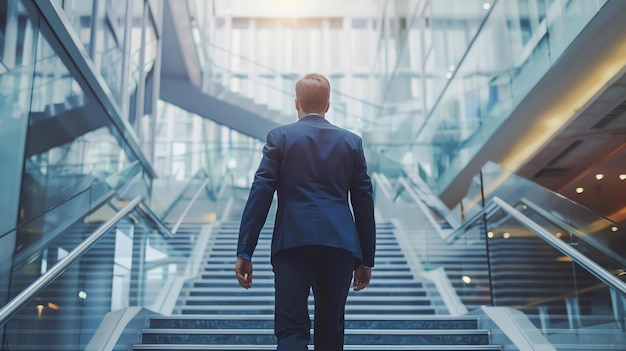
(127, 267)
(565, 301)
(598, 238)
(515, 47)
(463, 259)
(80, 16)
(17, 57)
(71, 142)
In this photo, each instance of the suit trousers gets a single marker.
(328, 271)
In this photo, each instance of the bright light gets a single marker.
(524, 207)
(622, 177)
(448, 75)
(613, 229)
(452, 68)
(580, 190)
(490, 235)
(559, 234)
(599, 176)
(232, 163)
(506, 235)
(82, 294)
(466, 279)
(486, 6)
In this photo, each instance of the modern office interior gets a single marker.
(494, 131)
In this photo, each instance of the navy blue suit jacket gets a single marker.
(316, 168)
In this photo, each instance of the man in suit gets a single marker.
(318, 243)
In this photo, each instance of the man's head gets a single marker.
(312, 95)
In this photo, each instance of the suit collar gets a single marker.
(313, 117)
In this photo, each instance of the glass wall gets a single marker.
(516, 45)
(17, 58)
(59, 144)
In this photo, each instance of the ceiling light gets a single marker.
(452, 68)
(490, 235)
(506, 235)
(466, 279)
(599, 176)
(559, 234)
(613, 228)
(448, 75)
(622, 177)
(580, 190)
(486, 6)
(82, 295)
(524, 207)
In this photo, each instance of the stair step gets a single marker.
(374, 321)
(352, 336)
(156, 347)
(396, 310)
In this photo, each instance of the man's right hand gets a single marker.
(243, 271)
(362, 276)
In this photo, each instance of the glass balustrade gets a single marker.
(127, 267)
(539, 252)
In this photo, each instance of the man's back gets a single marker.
(317, 170)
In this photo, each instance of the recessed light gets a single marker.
(622, 177)
(448, 75)
(506, 235)
(490, 235)
(613, 228)
(599, 176)
(466, 279)
(486, 6)
(559, 234)
(580, 190)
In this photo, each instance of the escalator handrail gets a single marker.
(26, 295)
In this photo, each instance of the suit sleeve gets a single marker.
(363, 206)
(260, 198)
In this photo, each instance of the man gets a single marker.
(317, 241)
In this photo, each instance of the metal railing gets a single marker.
(13, 306)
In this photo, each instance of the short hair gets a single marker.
(313, 93)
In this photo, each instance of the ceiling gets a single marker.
(593, 143)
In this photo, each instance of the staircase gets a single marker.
(395, 312)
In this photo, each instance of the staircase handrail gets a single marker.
(407, 187)
(585, 262)
(432, 201)
(190, 204)
(582, 236)
(200, 172)
(26, 295)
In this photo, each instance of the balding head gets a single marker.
(312, 95)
